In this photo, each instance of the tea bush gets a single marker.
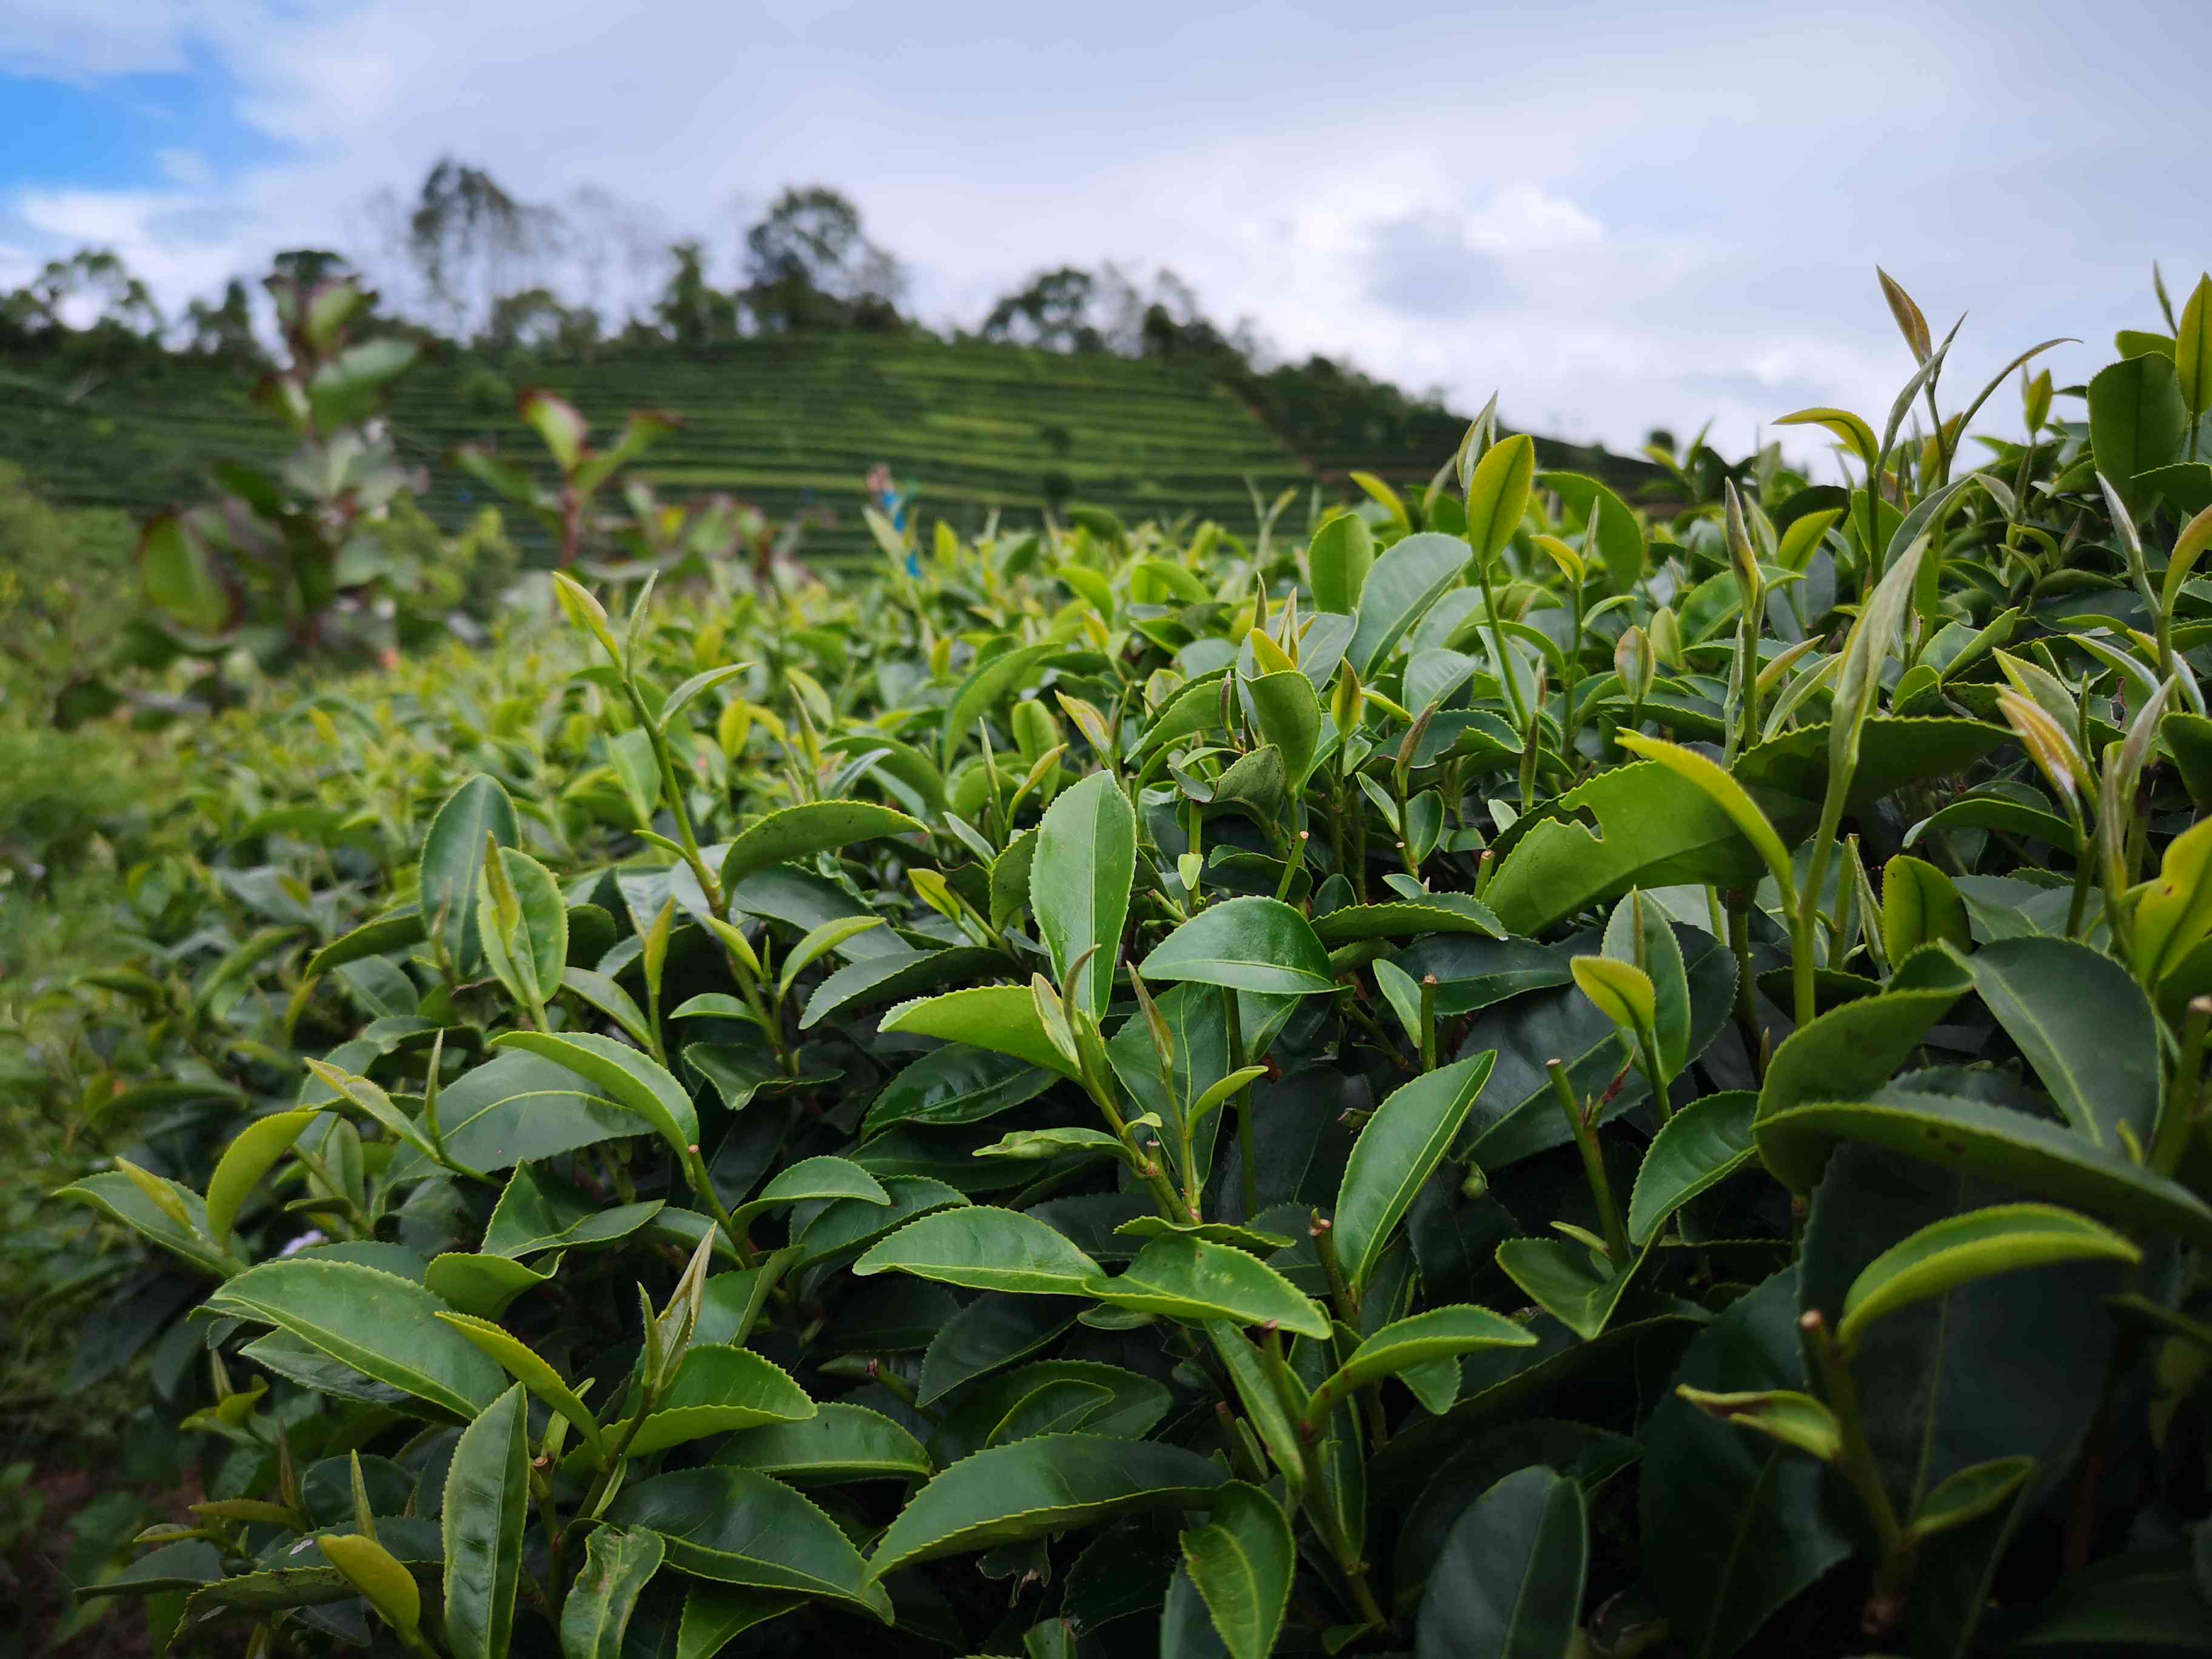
(1510, 1080)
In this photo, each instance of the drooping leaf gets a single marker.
(1184, 1278)
(801, 831)
(632, 1079)
(1036, 1486)
(2002, 1238)
(985, 1248)
(382, 1325)
(1000, 1018)
(838, 1443)
(1655, 829)
(244, 1162)
(716, 1390)
(735, 1527)
(1248, 943)
(1854, 1049)
(2044, 1159)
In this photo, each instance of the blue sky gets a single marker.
(1618, 215)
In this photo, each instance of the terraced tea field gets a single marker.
(791, 425)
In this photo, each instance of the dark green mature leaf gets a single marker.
(634, 1080)
(375, 937)
(2084, 1025)
(838, 1443)
(1569, 1281)
(1591, 1457)
(1894, 751)
(381, 1325)
(618, 1566)
(991, 1331)
(1136, 1407)
(1854, 1049)
(452, 863)
(2046, 1159)
(1246, 945)
(1432, 913)
(715, 1615)
(1242, 1562)
(1087, 847)
(1421, 1339)
(801, 831)
(1395, 1154)
(1508, 1583)
(1921, 1369)
(1700, 1146)
(738, 1528)
(517, 1108)
(1960, 1250)
(717, 1389)
(1734, 1523)
(852, 1224)
(955, 1085)
(1036, 1486)
(1186, 1278)
(981, 1248)
(487, 1505)
(883, 976)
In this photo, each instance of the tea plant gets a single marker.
(1511, 1080)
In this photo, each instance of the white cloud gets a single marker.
(186, 168)
(1524, 218)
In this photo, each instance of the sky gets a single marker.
(1616, 215)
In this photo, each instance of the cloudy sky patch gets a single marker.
(1619, 213)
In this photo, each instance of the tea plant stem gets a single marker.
(1247, 1152)
(2185, 1092)
(1807, 918)
(1592, 1155)
(1507, 678)
(1528, 753)
(1170, 1202)
(1319, 1506)
(1323, 1232)
(1854, 1461)
(1739, 938)
(1428, 1022)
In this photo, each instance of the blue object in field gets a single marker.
(892, 501)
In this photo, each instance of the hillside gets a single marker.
(791, 424)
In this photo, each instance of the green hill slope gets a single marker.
(792, 425)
